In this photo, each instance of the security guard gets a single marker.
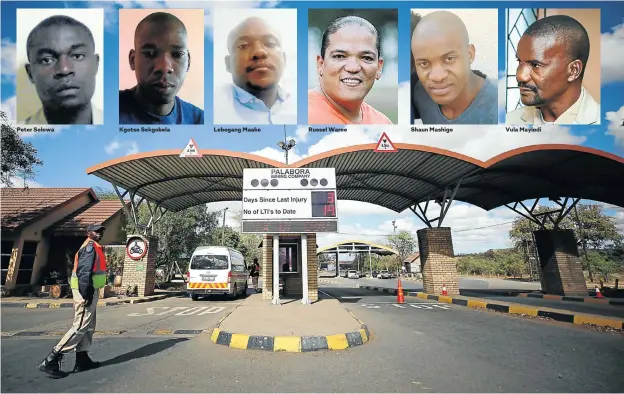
(88, 276)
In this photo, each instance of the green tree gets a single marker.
(179, 233)
(248, 243)
(404, 244)
(593, 230)
(105, 194)
(18, 157)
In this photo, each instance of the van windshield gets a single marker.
(209, 262)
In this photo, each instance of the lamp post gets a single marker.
(286, 146)
(223, 228)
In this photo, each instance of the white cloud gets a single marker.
(616, 125)
(9, 65)
(19, 183)
(129, 147)
(612, 64)
(302, 134)
(278, 154)
(233, 209)
(9, 107)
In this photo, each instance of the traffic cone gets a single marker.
(598, 293)
(400, 296)
(444, 291)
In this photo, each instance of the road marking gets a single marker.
(214, 309)
(181, 311)
(398, 306)
(350, 297)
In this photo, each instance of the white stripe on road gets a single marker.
(350, 297)
(398, 306)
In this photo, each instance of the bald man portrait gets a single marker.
(447, 90)
(160, 60)
(63, 64)
(552, 56)
(256, 61)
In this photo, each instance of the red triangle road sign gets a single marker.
(191, 150)
(385, 145)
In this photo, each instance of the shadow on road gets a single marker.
(144, 351)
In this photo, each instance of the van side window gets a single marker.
(237, 263)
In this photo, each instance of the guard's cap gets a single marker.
(95, 227)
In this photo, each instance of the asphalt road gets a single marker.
(413, 349)
(464, 283)
(482, 292)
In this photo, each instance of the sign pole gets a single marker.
(304, 268)
(276, 298)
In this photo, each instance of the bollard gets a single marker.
(617, 283)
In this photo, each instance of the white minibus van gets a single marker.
(217, 270)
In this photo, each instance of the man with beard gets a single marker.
(552, 57)
(62, 64)
(160, 60)
(256, 61)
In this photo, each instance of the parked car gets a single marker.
(353, 274)
(384, 274)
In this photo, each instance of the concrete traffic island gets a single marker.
(291, 327)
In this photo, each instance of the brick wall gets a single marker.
(437, 260)
(142, 273)
(267, 267)
(312, 269)
(294, 285)
(561, 272)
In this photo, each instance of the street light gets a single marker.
(223, 228)
(286, 146)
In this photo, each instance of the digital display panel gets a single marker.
(279, 226)
(323, 204)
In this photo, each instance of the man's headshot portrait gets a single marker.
(255, 66)
(352, 76)
(556, 63)
(60, 66)
(454, 67)
(161, 66)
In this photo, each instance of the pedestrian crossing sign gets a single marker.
(191, 150)
(385, 145)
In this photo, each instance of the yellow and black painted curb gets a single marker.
(514, 309)
(57, 305)
(590, 300)
(293, 344)
(28, 334)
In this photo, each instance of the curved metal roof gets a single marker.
(393, 180)
(357, 246)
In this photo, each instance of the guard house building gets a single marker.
(42, 228)
(413, 178)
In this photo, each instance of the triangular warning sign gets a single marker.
(385, 145)
(191, 150)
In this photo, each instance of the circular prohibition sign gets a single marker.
(136, 248)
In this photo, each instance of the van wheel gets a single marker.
(234, 294)
(194, 297)
(245, 291)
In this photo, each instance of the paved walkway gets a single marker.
(256, 316)
(36, 302)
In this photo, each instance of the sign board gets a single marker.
(191, 150)
(136, 248)
(289, 200)
(385, 145)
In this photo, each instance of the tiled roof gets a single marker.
(95, 212)
(21, 205)
(411, 257)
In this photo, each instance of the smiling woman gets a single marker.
(59, 76)
(349, 64)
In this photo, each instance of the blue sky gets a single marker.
(69, 151)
